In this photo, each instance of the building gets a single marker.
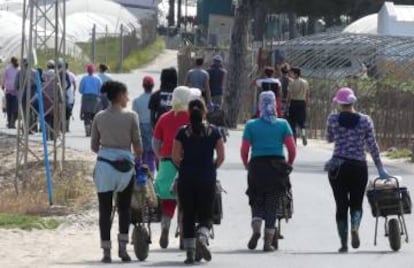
(392, 20)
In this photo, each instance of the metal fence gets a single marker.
(378, 68)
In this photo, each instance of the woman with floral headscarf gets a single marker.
(162, 143)
(268, 169)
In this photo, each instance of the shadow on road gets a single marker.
(363, 252)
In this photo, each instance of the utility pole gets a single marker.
(50, 36)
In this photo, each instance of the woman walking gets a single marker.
(114, 131)
(193, 153)
(268, 170)
(164, 133)
(347, 170)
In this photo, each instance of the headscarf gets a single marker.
(267, 106)
(195, 94)
(180, 98)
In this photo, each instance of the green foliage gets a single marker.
(398, 154)
(108, 52)
(139, 57)
(15, 221)
(76, 65)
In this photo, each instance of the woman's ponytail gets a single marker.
(196, 109)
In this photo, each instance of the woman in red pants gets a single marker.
(165, 131)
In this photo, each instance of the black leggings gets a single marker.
(196, 199)
(105, 210)
(348, 183)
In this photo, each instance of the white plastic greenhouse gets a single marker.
(81, 16)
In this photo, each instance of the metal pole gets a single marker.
(186, 15)
(121, 67)
(93, 53)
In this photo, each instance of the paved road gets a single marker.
(310, 237)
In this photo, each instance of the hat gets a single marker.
(218, 58)
(180, 98)
(148, 81)
(345, 95)
(90, 68)
(195, 94)
(50, 63)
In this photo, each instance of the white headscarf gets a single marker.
(180, 98)
(195, 94)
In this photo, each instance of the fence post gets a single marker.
(121, 62)
(412, 150)
(93, 48)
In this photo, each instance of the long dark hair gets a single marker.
(197, 110)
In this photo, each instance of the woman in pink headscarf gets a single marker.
(347, 170)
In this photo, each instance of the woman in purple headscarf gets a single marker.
(268, 169)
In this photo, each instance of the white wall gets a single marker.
(389, 23)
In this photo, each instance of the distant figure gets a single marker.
(104, 76)
(70, 96)
(298, 100)
(140, 106)
(30, 93)
(9, 87)
(269, 83)
(285, 80)
(90, 88)
(161, 100)
(199, 78)
(218, 75)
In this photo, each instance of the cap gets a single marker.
(50, 63)
(90, 68)
(148, 80)
(218, 58)
(345, 95)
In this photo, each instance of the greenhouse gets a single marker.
(81, 16)
(335, 56)
(379, 68)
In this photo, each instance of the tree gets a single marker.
(237, 71)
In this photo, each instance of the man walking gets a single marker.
(298, 99)
(199, 78)
(217, 74)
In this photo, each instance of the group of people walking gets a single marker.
(170, 136)
(292, 96)
(167, 130)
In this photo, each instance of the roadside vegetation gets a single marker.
(24, 202)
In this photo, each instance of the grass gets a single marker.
(76, 65)
(398, 154)
(140, 57)
(26, 222)
(73, 191)
(108, 52)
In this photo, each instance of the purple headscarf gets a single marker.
(267, 106)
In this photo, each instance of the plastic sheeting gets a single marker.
(81, 15)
